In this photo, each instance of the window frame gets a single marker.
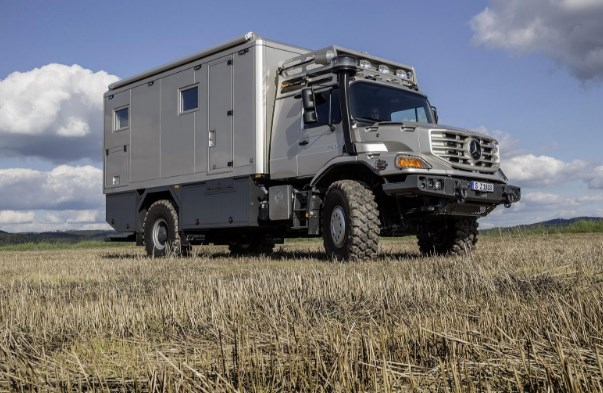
(418, 114)
(329, 90)
(181, 101)
(410, 94)
(116, 118)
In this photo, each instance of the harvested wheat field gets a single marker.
(524, 313)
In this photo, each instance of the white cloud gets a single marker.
(537, 171)
(87, 216)
(542, 198)
(569, 31)
(531, 170)
(15, 217)
(63, 188)
(595, 179)
(54, 112)
(540, 206)
(66, 197)
(53, 220)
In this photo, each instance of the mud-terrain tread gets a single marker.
(458, 236)
(175, 248)
(257, 245)
(364, 221)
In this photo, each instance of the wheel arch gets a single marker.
(355, 170)
(151, 196)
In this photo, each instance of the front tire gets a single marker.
(455, 236)
(350, 223)
(161, 236)
(252, 244)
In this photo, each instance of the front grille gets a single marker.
(453, 146)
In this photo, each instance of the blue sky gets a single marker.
(530, 73)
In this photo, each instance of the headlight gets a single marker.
(365, 64)
(403, 74)
(383, 69)
(404, 161)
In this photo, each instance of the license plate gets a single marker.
(482, 187)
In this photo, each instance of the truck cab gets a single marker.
(362, 120)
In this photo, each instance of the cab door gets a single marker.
(322, 141)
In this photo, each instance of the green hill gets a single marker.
(54, 237)
(557, 225)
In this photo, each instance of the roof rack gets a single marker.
(319, 62)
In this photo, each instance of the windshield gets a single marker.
(372, 102)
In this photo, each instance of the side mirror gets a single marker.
(309, 105)
(434, 110)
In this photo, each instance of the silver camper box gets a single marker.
(202, 121)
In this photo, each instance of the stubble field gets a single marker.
(524, 313)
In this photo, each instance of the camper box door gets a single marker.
(220, 116)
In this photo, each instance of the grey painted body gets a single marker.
(249, 125)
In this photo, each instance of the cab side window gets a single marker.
(327, 107)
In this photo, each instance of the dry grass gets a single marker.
(521, 314)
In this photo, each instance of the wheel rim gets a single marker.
(160, 233)
(338, 226)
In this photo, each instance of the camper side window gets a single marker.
(189, 99)
(121, 118)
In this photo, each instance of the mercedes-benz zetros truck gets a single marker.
(255, 141)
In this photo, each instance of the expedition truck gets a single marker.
(254, 141)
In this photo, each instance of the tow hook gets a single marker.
(511, 195)
(461, 193)
(507, 199)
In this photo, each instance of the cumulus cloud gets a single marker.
(553, 205)
(53, 220)
(538, 171)
(63, 188)
(542, 206)
(542, 198)
(87, 216)
(569, 31)
(54, 112)
(15, 217)
(595, 178)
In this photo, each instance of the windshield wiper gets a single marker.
(368, 119)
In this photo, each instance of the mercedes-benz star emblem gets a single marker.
(475, 149)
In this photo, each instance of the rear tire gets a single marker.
(161, 232)
(455, 236)
(350, 221)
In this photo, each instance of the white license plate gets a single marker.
(482, 187)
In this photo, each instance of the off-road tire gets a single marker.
(350, 221)
(250, 245)
(453, 236)
(161, 231)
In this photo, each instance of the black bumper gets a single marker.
(456, 189)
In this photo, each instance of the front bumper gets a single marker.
(458, 190)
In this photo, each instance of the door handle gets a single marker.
(212, 138)
(303, 143)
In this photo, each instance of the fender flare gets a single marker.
(150, 192)
(337, 164)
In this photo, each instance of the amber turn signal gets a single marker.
(405, 161)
